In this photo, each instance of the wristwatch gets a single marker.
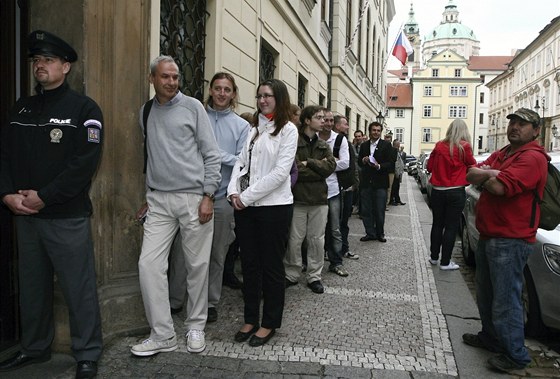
(210, 195)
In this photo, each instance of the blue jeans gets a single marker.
(345, 215)
(333, 238)
(373, 201)
(447, 206)
(499, 281)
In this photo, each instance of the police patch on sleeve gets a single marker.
(94, 135)
(92, 122)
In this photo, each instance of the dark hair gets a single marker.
(374, 123)
(228, 76)
(359, 131)
(282, 110)
(338, 117)
(307, 113)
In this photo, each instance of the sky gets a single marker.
(499, 25)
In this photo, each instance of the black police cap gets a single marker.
(45, 43)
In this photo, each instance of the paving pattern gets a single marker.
(385, 315)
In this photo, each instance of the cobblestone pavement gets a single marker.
(385, 320)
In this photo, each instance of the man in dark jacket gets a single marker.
(50, 152)
(376, 163)
(315, 163)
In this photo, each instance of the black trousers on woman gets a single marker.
(262, 233)
(446, 211)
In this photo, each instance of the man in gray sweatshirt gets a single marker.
(182, 175)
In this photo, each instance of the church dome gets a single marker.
(450, 30)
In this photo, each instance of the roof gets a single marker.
(450, 30)
(489, 63)
(403, 73)
(399, 95)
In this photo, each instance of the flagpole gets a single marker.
(389, 53)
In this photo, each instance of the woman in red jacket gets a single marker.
(448, 164)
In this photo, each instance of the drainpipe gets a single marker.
(329, 76)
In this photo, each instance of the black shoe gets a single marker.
(367, 238)
(504, 363)
(475, 341)
(316, 286)
(400, 203)
(86, 369)
(174, 311)
(21, 360)
(259, 341)
(382, 239)
(289, 283)
(212, 315)
(232, 282)
(244, 336)
(393, 203)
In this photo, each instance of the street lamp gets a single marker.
(537, 107)
(380, 118)
(554, 131)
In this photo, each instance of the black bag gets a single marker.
(346, 178)
(550, 203)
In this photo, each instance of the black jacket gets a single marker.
(52, 144)
(371, 177)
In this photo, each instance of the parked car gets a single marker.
(419, 164)
(541, 295)
(423, 174)
(411, 168)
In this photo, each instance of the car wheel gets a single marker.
(534, 326)
(466, 250)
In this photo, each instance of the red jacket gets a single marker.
(450, 171)
(509, 216)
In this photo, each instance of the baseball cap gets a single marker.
(526, 114)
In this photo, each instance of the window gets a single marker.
(399, 134)
(358, 121)
(481, 98)
(302, 85)
(458, 91)
(481, 118)
(426, 135)
(266, 64)
(427, 111)
(457, 72)
(347, 113)
(457, 111)
(428, 91)
(435, 72)
(324, 10)
(399, 113)
(348, 22)
(321, 99)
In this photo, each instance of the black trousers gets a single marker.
(446, 211)
(262, 233)
(63, 247)
(395, 197)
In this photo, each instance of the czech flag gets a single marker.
(402, 48)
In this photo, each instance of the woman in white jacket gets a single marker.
(259, 191)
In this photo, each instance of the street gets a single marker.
(395, 316)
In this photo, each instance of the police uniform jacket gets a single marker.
(52, 144)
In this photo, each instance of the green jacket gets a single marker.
(311, 186)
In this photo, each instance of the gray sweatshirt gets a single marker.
(183, 155)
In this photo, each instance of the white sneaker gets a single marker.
(351, 255)
(451, 266)
(195, 341)
(150, 347)
(433, 261)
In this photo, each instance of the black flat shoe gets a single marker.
(86, 369)
(367, 238)
(382, 239)
(259, 341)
(317, 286)
(21, 360)
(244, 336)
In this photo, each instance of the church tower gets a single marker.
(412, 31)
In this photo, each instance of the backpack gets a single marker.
(550, 202)
(346, 178)
(145, 114)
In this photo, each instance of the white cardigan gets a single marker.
(271, 161)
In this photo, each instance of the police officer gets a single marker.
(50, 151)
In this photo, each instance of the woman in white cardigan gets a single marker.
(259, 191)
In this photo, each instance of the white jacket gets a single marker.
(271, 161)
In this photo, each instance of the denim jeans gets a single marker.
(447, 206)
(345, 215)
(333, 238)
(373, 202)
(499, 282)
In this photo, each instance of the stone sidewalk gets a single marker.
(383, 321)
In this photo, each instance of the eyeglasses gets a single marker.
(265, 96)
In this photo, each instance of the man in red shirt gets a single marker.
(509, 178)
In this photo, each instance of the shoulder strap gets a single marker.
(145, 114)
(336, 148)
